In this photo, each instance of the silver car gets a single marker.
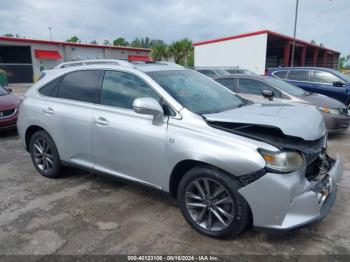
(226, 161)
(259, 88)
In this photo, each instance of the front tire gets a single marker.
(44, 155)
(210, 202)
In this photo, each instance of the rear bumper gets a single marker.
(336, 123)
(286, 202)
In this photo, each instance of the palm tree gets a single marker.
(186, 48)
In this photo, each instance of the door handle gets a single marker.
(49, 111)
(101, 121)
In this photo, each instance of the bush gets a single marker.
(3, 78)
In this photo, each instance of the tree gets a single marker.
(8, 35)
(73, 39)
(145, 42)
(313, 42)
(344, 62)
(321, 45)
(94, 42)
(120, 41)
(186, 48)
(106, 42)
(159, 51)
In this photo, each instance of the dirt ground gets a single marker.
(83, 213)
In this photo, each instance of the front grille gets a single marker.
(319, 167)
(7, 113)
(314, 149)
(344, 111)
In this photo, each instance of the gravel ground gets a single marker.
(83, 213)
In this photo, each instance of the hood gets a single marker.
(7, 102)
(323, 101)
(301, 121)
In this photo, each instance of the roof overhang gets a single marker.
(268, 32)
(58, 43)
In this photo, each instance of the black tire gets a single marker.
(238, 208)
(54, 166)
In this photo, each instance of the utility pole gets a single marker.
(50, 29)
(295, 31)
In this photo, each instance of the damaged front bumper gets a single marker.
(282, 202)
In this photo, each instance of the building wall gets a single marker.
(71, 53)
(246, 52)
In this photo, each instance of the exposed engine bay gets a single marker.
(316, 158)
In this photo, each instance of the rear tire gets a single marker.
(44, 155)
(230, 213)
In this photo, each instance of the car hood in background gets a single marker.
(322, 101)
(301, 121)
(7, 102)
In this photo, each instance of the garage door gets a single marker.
(17, 62)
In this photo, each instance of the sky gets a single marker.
(324, 21)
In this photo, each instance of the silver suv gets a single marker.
(225, 160)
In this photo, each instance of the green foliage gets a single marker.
(120, 41)
(344, 62)
(106, 42)
(8, 35)
(94, 42)
(73, 39)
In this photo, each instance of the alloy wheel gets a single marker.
(43, 155)
(209, 204)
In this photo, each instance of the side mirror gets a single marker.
(268, 94)
(338, 84)
(149, 106)
(9, 89)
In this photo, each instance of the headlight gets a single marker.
(287, 161)
(332, 111)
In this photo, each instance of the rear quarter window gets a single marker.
(50, 89)
(280, 74)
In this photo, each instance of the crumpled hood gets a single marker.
(301, 121)
(323, 101)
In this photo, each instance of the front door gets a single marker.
(127, 144)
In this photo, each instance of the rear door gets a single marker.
(301, 78)
(323, 84)
(68, 114)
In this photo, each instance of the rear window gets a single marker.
(299, 75)
(280, 74)
(81, 86)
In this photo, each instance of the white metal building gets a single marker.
(260, 50)
(24, 59)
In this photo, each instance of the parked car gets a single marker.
(225, 160)
(259, 88)
(8, 109)
(212, 72)
(239, 71)
(320, 80)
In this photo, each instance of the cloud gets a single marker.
(324, 21)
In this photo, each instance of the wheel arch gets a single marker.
(30, 131)
(181, 168)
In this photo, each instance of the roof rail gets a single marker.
(95, 62)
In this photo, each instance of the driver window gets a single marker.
(254, 87)
(325, 78)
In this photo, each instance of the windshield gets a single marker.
(285, 86)
(196, 92)
(3, 91)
